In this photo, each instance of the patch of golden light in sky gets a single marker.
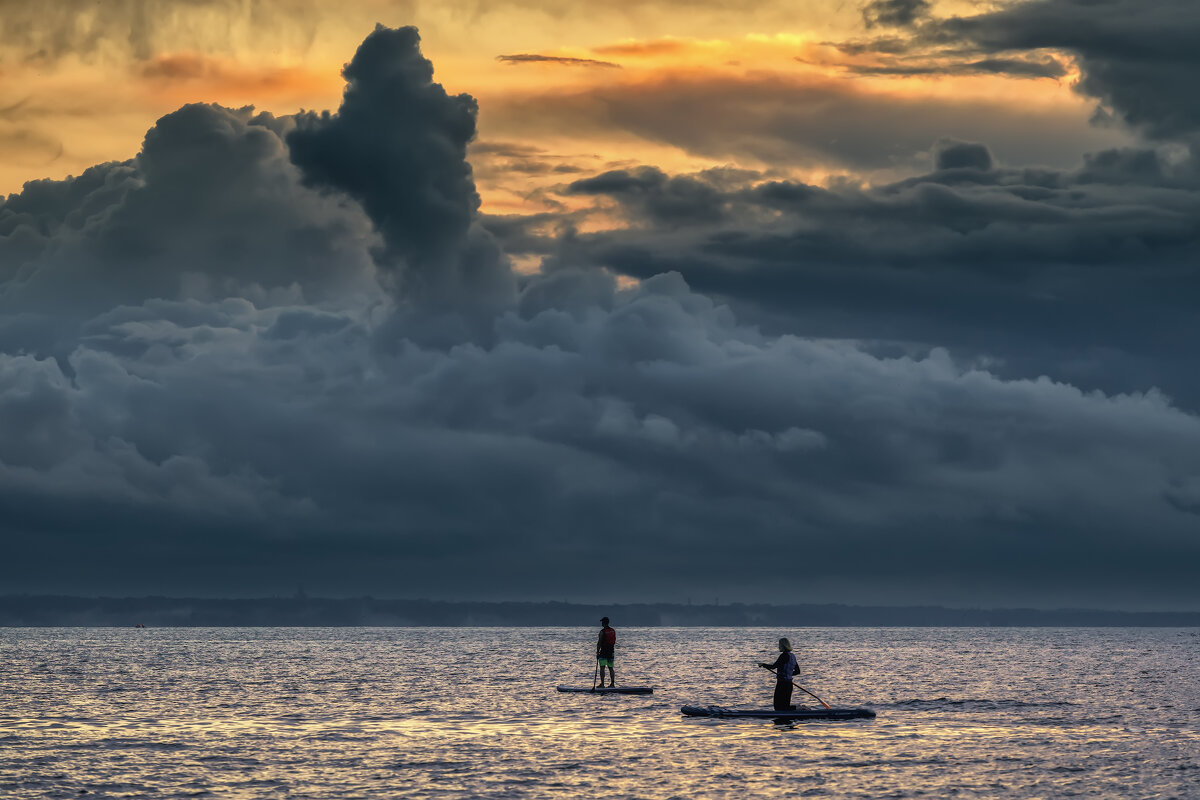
(78, 88)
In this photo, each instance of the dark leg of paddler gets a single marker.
(783, 696)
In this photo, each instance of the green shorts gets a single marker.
(605, 662)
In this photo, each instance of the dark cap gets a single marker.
(604, 620)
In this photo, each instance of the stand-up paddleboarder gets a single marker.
(606, 646)
(784, 668)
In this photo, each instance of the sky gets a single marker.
(886, 302)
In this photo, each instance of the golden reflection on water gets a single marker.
(409, 713)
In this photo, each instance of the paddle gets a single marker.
(798, 686)
(596, 674)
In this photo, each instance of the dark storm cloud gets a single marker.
(535, 58)
(211, 381)
(603, 421)
(414, 182)
(121, 233)
(1139, 58)
(962, 155)
(1084, 274)
(894, 12)
(664, 200)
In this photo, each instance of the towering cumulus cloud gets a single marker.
(278, 350)
(211, 207)
(398, 145)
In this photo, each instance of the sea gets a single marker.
(473, 713)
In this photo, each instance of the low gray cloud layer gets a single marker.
(1086, 275)
(270, 351)
(1013, 67)
(536, 58)
(780, 119)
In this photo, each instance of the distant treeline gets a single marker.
(34, 610)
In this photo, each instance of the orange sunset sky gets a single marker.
(808, 90)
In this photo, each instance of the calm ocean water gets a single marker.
(460, 713)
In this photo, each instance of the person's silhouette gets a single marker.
(606, 646)
(784, 667)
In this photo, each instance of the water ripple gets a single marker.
(464, 713)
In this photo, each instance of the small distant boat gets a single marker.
(608, 689)
(770, 713)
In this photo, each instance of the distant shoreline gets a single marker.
(300, 611)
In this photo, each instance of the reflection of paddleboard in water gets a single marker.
(769, 713)
(608, 689)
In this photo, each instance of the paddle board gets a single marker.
(769, 713)
(608, 689)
